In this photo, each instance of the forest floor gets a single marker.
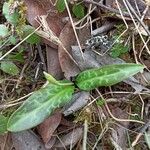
(42, 111)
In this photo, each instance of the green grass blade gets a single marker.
(106, 76)
(39, 106)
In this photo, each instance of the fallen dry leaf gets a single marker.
(79, 100)
(27, 140)
(48, 127)
(69, 139)
(53, 65)
(36, 8)
(67, 38)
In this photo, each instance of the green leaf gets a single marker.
(12, 40)
(106, 76)
(9, 67)
(39, 106)
(118, 49)
(12, 18)
(3, 124)
(100, 102)
(52, 80)
(3, 30)
(60, 5)
(34, 38)
(78, 11)
(16, 57)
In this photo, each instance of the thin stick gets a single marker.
(18, 44)
(85, 135)
(106, 7)
(127, 7)
(100, 136)
(68, 10)
(19, 99)
(117, 119)
(141, 133)
(137, 17)
(142, 109)
(50, 35)
(133, 47)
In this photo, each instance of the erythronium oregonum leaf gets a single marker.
(39, 106)
(106, 76)
(3, 124)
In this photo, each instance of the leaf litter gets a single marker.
(64, 59)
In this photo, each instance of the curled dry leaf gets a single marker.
(69, 139)
(48, 127)
(53, 64)
(67, 38)
(26, 140)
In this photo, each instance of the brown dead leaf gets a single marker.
(67, 123)
(67, 38)
(69, 139)
(48, 127)
(53, 64)
(37, 8)
(27, 140)
(55, 19)
(51, 142)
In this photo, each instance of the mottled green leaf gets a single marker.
(3, 30)
(39, 106)
(34, 38)
(78, 10)
(3, 124)
(60, 5)
(106, 76)
(9, 67)
(11, 17)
